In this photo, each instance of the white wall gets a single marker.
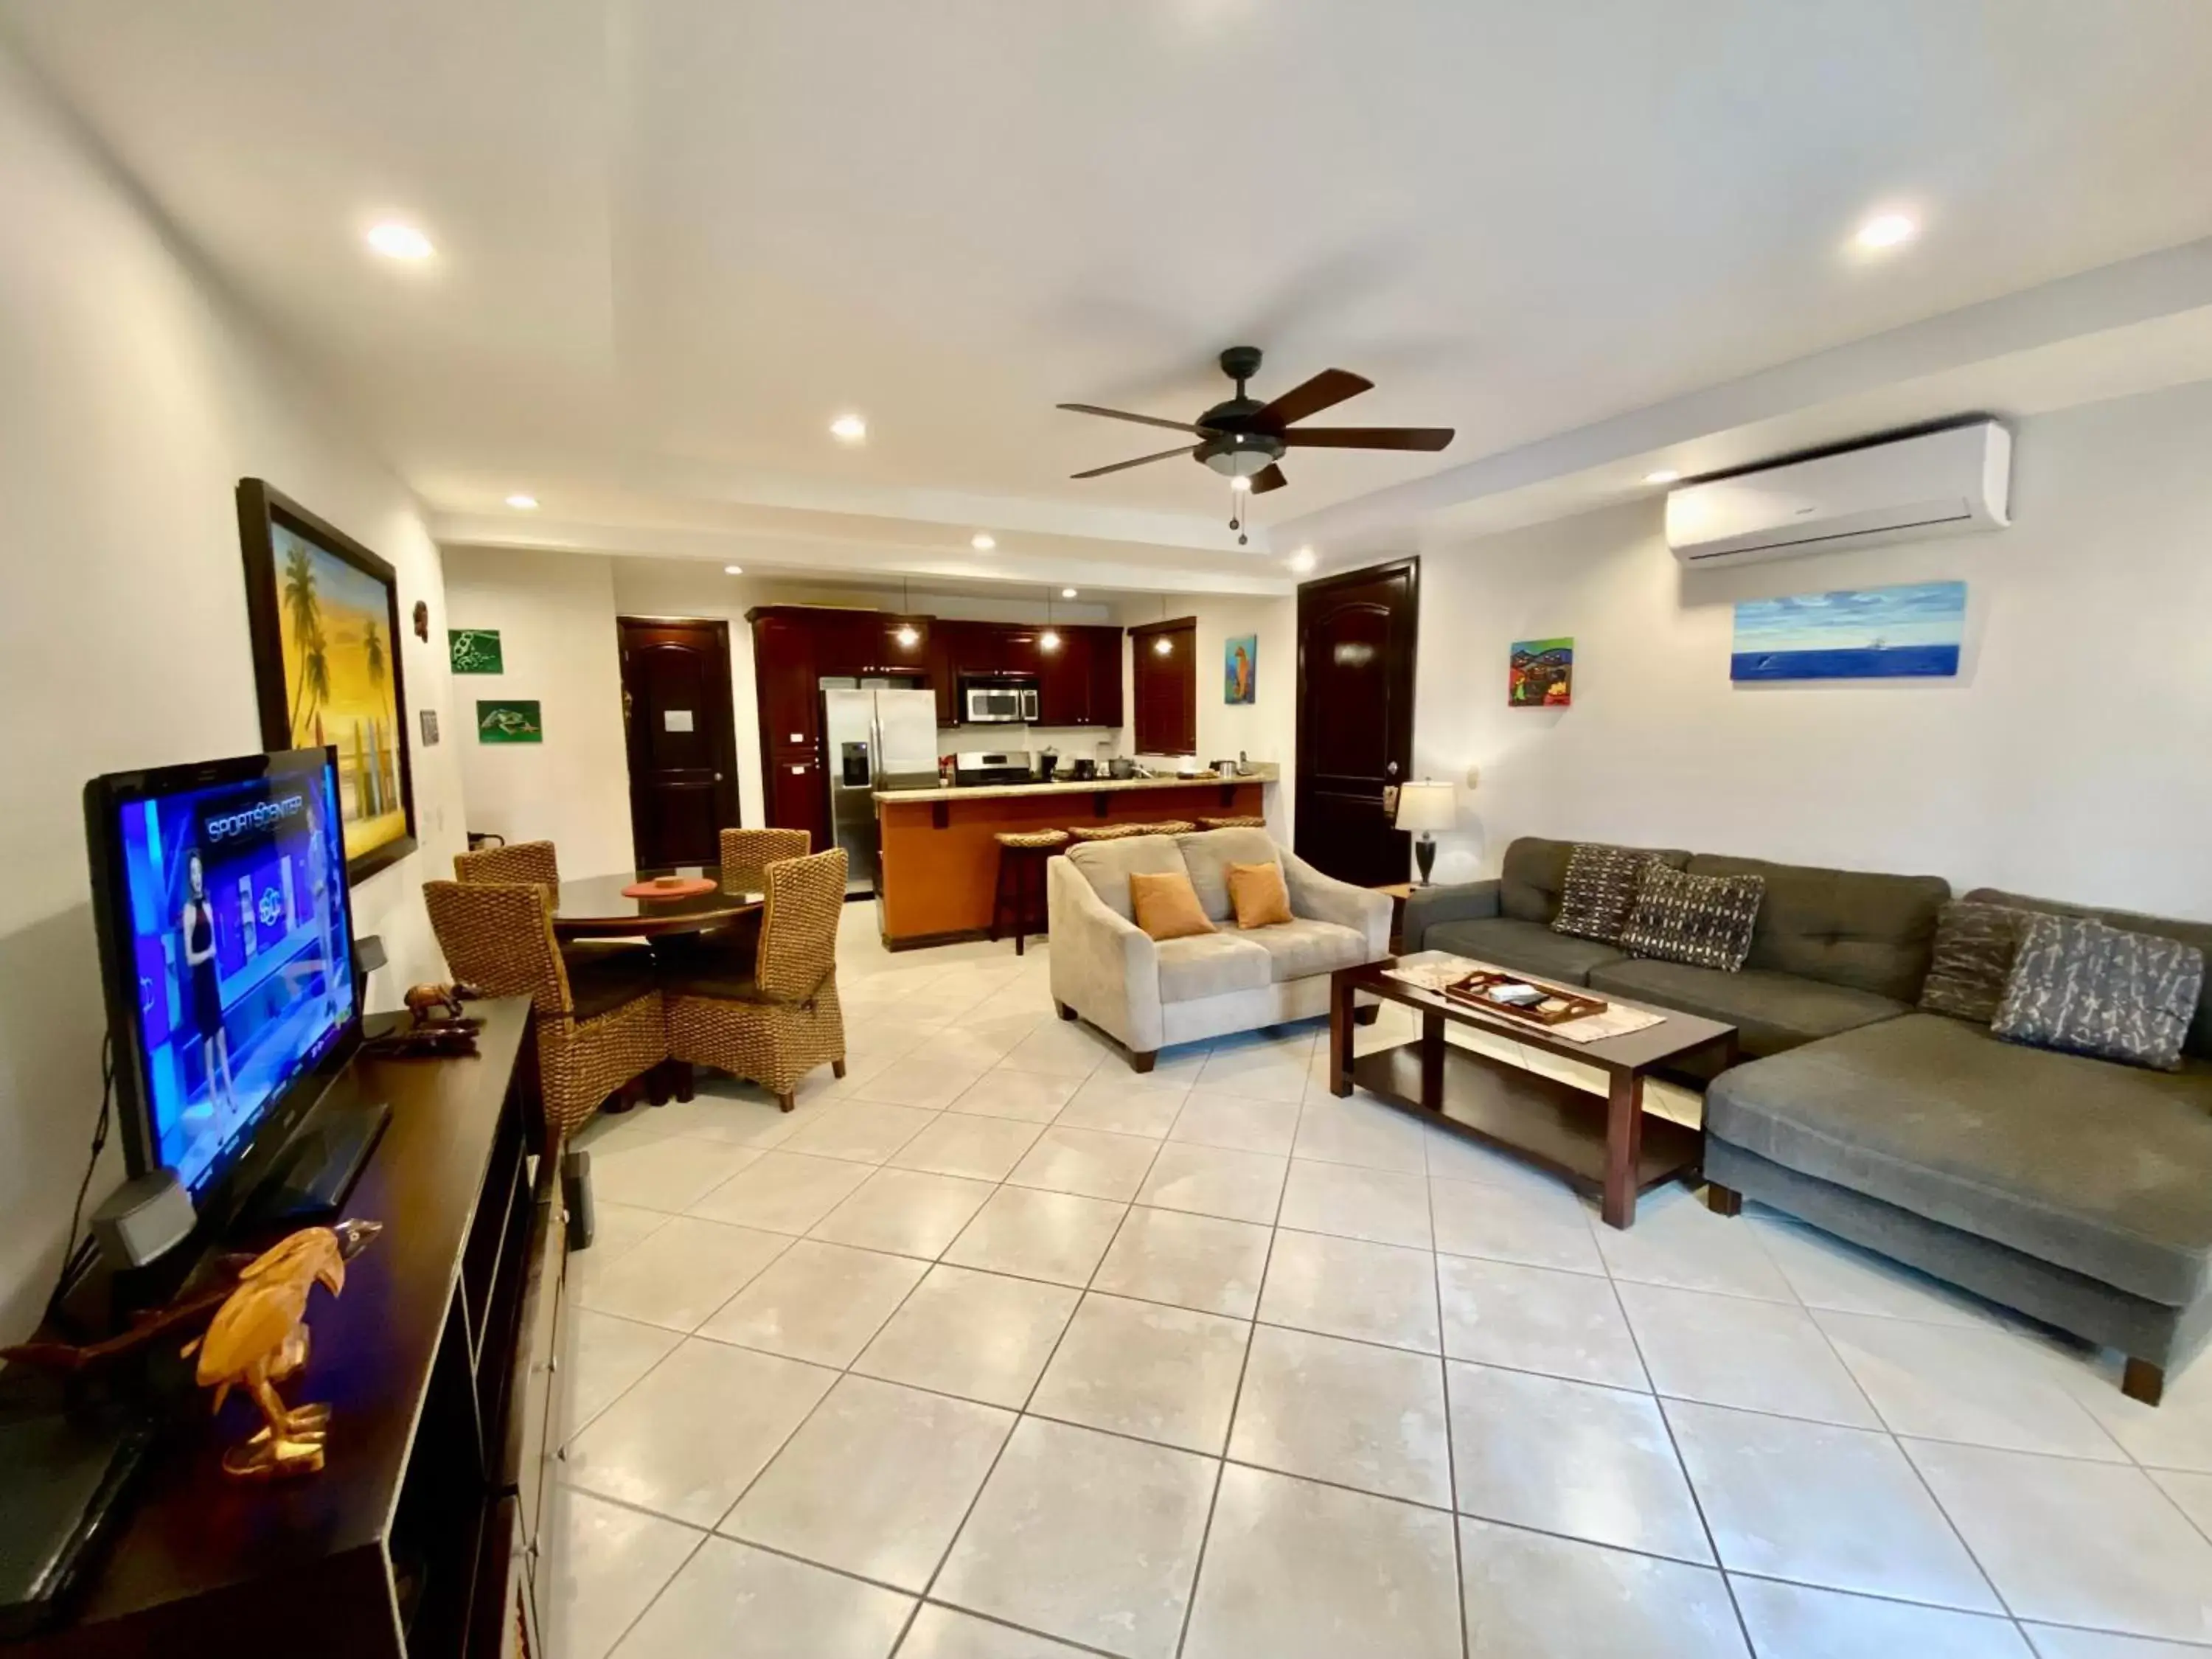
(137, 396)
(2072, 756)
(555, 618)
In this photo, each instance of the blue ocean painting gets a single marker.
(1860, 634)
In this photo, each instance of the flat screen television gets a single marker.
(226, 943)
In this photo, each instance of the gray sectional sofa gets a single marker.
(2076, 1190)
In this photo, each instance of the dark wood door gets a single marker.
(1356, 641)
(682, 739)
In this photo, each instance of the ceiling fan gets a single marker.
(1243, 439)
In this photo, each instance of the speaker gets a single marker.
(144, 1219)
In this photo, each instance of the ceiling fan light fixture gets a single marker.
(1239, 461)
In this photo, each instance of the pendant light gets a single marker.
(1050, 640)
(908, 635)
(1163, 644)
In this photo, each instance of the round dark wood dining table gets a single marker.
(597, 907)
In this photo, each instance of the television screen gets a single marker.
(225, 899)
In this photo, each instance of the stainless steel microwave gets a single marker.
(1008, 701)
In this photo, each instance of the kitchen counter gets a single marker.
(1264, 773)
(939, 868)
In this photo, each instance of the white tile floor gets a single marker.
(996, 1351)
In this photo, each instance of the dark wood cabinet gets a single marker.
(1105, 676)
(784, 674)
(1078, 682)
(1163, 681)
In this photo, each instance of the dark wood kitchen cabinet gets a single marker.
(1106, 655)
(785, 673)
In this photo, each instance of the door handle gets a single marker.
(1390, 770)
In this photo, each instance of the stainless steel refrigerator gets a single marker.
(877, 740)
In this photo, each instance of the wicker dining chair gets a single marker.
(521, 860)
(599, 1024)
(777, 1018)
(746, 853)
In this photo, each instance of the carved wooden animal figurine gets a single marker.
(437, 1005)
(259, 1338)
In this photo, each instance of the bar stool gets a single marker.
(1172, 827)
(1244, 823)
(1020, 852)
(1109, 831)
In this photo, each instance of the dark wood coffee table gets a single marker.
(1605, 1146)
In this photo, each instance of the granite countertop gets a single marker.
(1261, 772)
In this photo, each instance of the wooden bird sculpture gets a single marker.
(259, 1338)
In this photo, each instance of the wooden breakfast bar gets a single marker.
(940, 865)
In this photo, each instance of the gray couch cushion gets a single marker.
(1108, 866)
(1298, 948)
(1771, 1011)
(2198, 934)
(2098, 1167)
(1207, 854)
(1530, 946)
(2084, 988)
(1872, 932)
(1211, 965)
(1535, 872)
(1975, 944)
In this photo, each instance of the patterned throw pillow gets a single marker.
(1599, 890)
(2085, 988)
(1975, 944)
(1704, 920)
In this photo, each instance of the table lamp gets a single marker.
(1426, 806)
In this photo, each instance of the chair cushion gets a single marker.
(2085, 988)
(1166, 905)
(1531, 946)
(1704, 920)
(1207, 854)
(1210, 964)
(1299, 949)
(1534, 875)
(1771, 1011)
(1256, 893)
(601, 982)
(1108, 866)
(1872, 932)
(2101, 1169)
(2198, 934)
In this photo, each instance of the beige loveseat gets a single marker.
(1147, 995)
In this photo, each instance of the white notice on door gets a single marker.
(675, 719)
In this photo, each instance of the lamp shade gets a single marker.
(1426, 805)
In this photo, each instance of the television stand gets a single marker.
(317, 1167)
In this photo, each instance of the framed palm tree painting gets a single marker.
(323, 612)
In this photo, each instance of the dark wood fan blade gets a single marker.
(1330, 387)
(1142, 420)
(1268, 478)
(1370, 437)
(1141, 460)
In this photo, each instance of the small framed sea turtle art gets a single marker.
(510, 720)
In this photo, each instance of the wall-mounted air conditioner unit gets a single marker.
(1937, 483)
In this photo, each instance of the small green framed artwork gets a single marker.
(508, 720)
(476, 650)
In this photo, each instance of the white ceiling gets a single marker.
(677, 236)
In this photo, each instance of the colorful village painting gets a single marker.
(1542, 674)
(338, 689)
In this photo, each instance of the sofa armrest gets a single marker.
(1471, 901)
(1324, 898)
(1107, 969)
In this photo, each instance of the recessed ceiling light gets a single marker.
(1066, 593)
(983, 541)
(1663, 475)
(1302, 560)
(734, 570)
(522, 503)
(397, 241)
(1886, 230)
(848, 429)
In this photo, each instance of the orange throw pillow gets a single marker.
(1167, 905)
(1256, 893)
